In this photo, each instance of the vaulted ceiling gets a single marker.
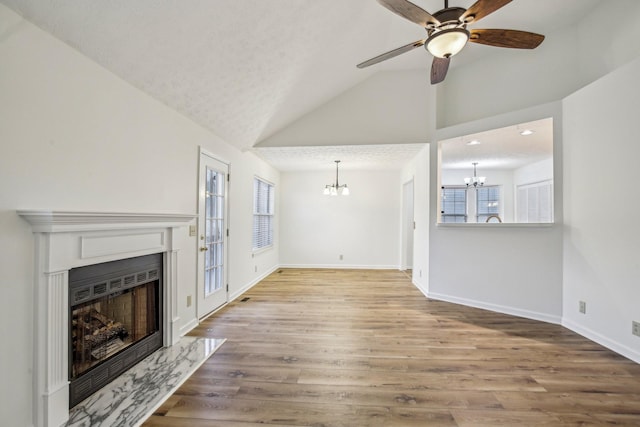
(246, 69)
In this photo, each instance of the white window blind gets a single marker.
(535, 202)
(453, 204)
(263, 201)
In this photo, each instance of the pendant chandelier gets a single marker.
(475, 180)
(335, 188)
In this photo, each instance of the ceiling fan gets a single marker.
(447, 32)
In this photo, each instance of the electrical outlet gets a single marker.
(420, 273)
(635, 328)
(188, 300)
(341, 257)
(582, 307)
(255, 268)
(192, 230)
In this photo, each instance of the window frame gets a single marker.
(443, 215)
(498, 200)
(263, 209)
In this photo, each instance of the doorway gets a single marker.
(212, 278)
(408, 226)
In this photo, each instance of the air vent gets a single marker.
(115, 283)
(82, 294)
(101, 377)
(100, 288)
(153, 274)
(129, 280)
(141, 277)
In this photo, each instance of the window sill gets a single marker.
(495, 224)
(261, 250)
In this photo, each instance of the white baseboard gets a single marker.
(527, 314)
(424, 291)
(343, 266)
(602, 340)
(251, 284)
(185, 329)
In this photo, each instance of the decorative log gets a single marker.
(104, 334)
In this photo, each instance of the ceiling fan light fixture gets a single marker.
(447, 43)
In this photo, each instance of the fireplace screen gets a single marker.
(110, 324)
(114, 320)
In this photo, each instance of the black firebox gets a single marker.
(115, 320)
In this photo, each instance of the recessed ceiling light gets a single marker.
(474, 142)
(526, 132)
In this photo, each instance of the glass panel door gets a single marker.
(213, 231)
(212, 242)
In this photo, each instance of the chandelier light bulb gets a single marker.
(475, 180)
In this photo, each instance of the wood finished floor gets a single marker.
(366, 348)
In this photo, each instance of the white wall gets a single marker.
(534, 173)
(569, 58)
(601, 52)
(389, 107)
(602, 236)
(510, 268)
(364, 227)
(75, 137)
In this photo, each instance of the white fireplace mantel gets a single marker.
(66, 240)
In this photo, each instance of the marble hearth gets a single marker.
(65, 240)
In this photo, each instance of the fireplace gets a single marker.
(114, 320)
(66, 242)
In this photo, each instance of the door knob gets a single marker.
(204, 248)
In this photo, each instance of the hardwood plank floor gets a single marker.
(366, 348)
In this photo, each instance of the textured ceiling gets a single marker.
(247, 68)
(352, 157)
(503, 148)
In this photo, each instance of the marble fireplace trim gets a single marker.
(65, 240)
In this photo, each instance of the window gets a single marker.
(453, 204)
(462, 204)
(487, 203)
(508, 157)
(262, 214)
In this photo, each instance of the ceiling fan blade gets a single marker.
(482, 8)
(439, 69)
(410, 11)
(506, 38)
(392, 53)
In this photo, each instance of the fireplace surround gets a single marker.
(66, 240)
